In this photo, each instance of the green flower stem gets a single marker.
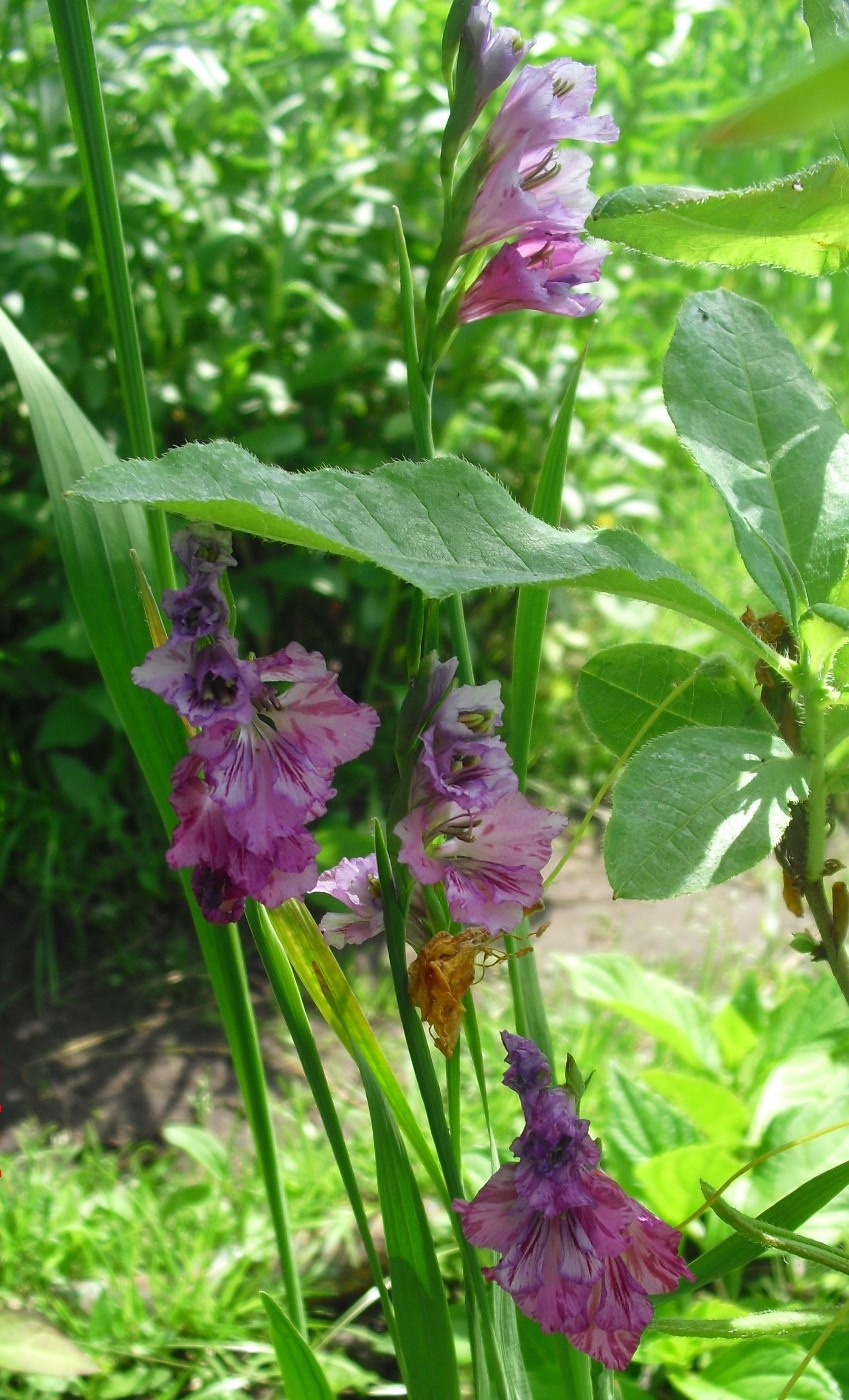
(763, 1324)
(836, 950)
(531, 613)
(75, 46)
(222, 953)
(774, 1237)
(422, 1063)
(288, 997)
(575, 1370)
(814, 738)
(421, 412)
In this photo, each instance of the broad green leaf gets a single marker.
(716, 1111)
(811, 99)
(639, 1124)
(790, 1212)
(619, 690)
(669, 1182)
(767, 436)
(428, 1359)
(95, 547)
(208, 1151)
(757, 1370)
(695, 807)
(799, 223)
(443, 525)
(671, 1013)
(300, 1371)
(32, 1346)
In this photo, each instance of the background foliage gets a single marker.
(259, 148)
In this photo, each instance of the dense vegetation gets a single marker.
(259, 151)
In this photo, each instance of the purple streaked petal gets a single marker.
(535, 274)
(354, 883)
(578, 1254)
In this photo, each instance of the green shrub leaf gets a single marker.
(757, 1370)
(695, 807)
(671, 1013)
(619, 690)
(765, 433)
(799, 223)
(444, 525)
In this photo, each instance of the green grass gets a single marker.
(152, 1258)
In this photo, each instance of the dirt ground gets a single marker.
(129, 1061)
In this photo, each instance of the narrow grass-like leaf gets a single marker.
(326, 983)
(75, 45)
(811, 99)
(766, 434)
(488, 1363)
(445, 526)
(428, 1360)
(790, 1212)
(619, 689)
(697, 806)
(283, 984)
(225, 963)
(828, 24)
(300, 1370)
(799, 223)
(95, 546)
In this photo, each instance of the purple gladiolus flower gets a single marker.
(530, 187)
(271, 731)
(462, 758)
(549, 102)
(494, 54)
(355, 884)
(490, 861)
(535, 274)
(579, 1256)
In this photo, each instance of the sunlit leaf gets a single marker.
(799, 223)
(765, 433)
(695, 807)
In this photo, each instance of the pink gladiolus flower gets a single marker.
(579, 1256)
(535, 274)
(530, 186)
(490, 862)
